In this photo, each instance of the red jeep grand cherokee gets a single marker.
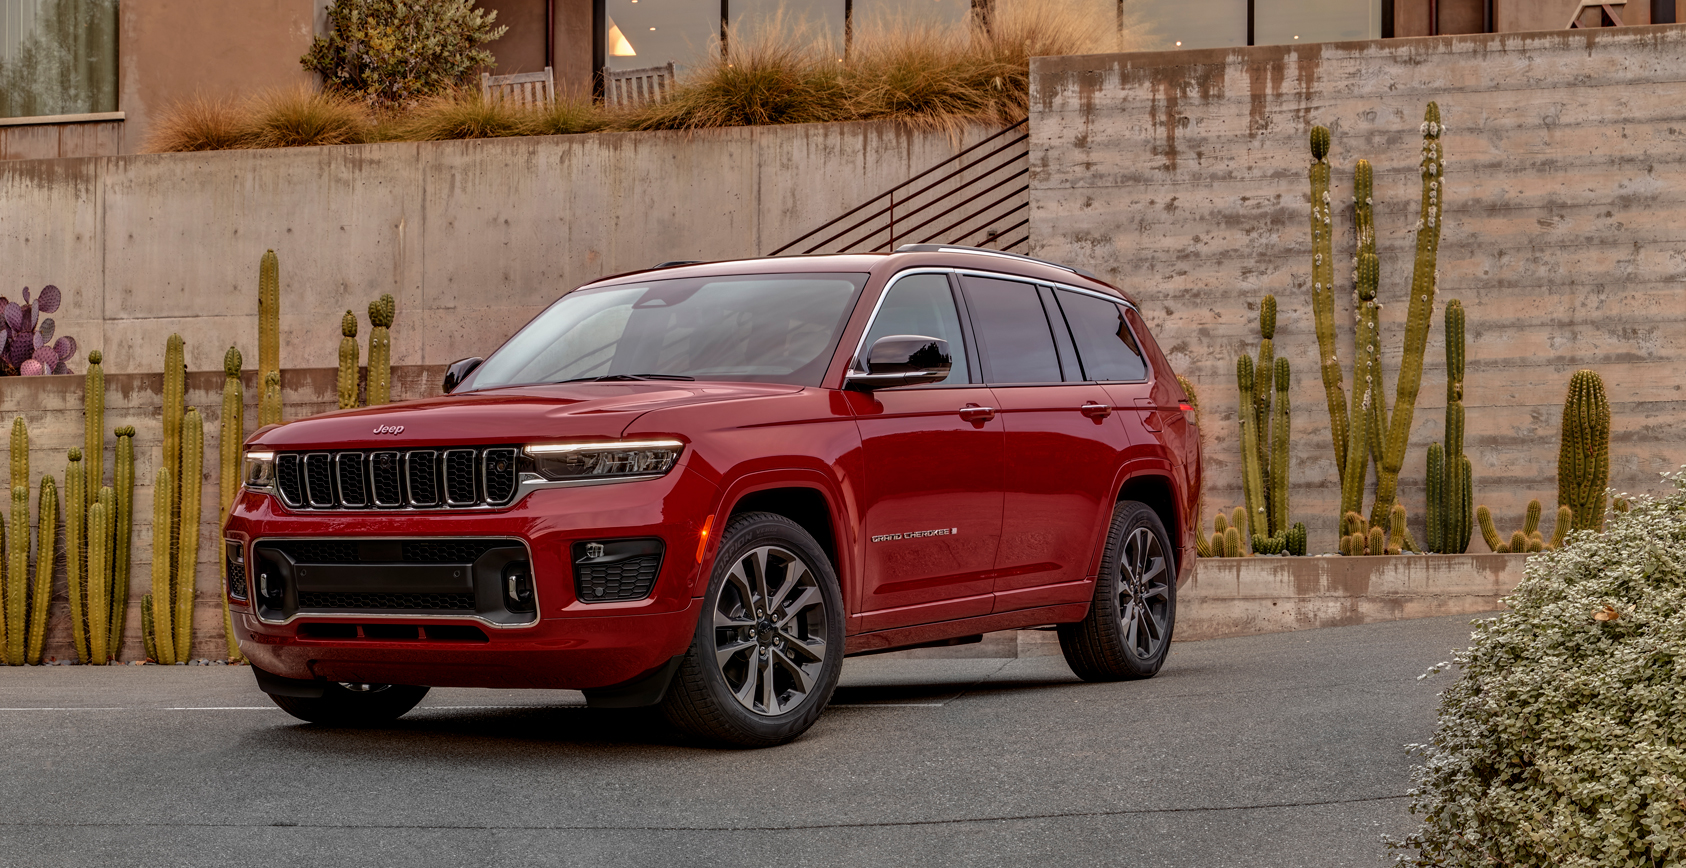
(702, 486)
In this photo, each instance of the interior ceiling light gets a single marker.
(618, 46)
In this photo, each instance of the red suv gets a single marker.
(703, 485)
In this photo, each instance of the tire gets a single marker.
(769, 642)
(353, 704)
(1127, 632)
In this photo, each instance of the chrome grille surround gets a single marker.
(384, 480)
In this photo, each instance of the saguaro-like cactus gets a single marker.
(187, 519)
(99, 606)
(269, 335)
(17, 577)
(348, 361)
(41, 593)
(93, 425)
(175, 385)
(269, 400)
(381, 313)
(1449, 484)
(1281, 424)
(158, 603)
(1583, 458)
(1323, 293)
(75, 524)
(124, 524)
(230, 455)
(1251, 472)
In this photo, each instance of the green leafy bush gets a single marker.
(1564, 740)
(392, 52)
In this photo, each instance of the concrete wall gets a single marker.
(471, 237)
(1183, 177)
(85, 136)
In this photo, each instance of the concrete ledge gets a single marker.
(1249, 596)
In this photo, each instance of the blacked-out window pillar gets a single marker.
(1387, 19)
(1250, 22)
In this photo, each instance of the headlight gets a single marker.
(260, 470)
(560, 462)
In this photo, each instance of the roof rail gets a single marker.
(956, 248)
(675, 263)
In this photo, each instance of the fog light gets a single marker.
(518, 587)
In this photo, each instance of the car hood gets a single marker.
(514, 414)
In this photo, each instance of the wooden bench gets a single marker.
(525, 89)
(630, 87)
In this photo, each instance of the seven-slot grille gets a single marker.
(390, 479)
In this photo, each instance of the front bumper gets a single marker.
(565, 643)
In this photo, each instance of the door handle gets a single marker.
(974, 413)
(1096, 411)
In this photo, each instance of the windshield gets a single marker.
(772, 328)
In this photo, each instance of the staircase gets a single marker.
(979, 197)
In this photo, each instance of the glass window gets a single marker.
(1278, 22)
(57, 57)
(1012, 329)
(1192, 23)
(777, 328)
(869, 15)
(1105, 345)
(922, 304)
(804, 21)
(645, 33)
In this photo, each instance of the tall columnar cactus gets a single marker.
(1583, 458)
(158, 603)
(348, 361)
(1529, 538)
(187, 519)
(1370, 431)
(381, 313)
(269, 400)
(124, 526)
(41, 593)
(269, 335)
(1263, 371)
(1424, 276)
(175, 399)
(75, 525)
(93, 425)
(1449, 523)
(1251, 472)
(230, 455)
(1281, 424)
(99, 606)
(17, 577)
(1323, 293)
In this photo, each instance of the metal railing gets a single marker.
(979, 197)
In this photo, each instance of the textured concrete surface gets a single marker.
(1269, 750)
(1183, 176)
(471, 237)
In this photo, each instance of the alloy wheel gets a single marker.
(770, 630)
(1144, 593)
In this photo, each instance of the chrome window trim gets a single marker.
(339, 483)
(353, 616)
(1147, 365)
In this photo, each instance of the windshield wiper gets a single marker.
(614, 378)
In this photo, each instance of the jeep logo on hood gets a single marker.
(389, 429)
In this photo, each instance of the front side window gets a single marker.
(921, 304)
(1105, 346)
(772, 328)
(1013, 335)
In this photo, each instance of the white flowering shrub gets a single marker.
(1563, 742)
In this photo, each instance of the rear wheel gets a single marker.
(348, 704)
(769, 643)
(1128, 630)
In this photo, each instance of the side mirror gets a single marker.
(458, 371)
(902, 360)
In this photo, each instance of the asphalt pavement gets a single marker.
(1282, 750)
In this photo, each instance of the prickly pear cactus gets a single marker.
(1583, 459)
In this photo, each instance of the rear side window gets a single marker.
(1013, 334)
(1105, 345)
(921, 304)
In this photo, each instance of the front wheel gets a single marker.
(353, 704)
(1127, 632)
(769, 643)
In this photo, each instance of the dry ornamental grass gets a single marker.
(897, 68)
